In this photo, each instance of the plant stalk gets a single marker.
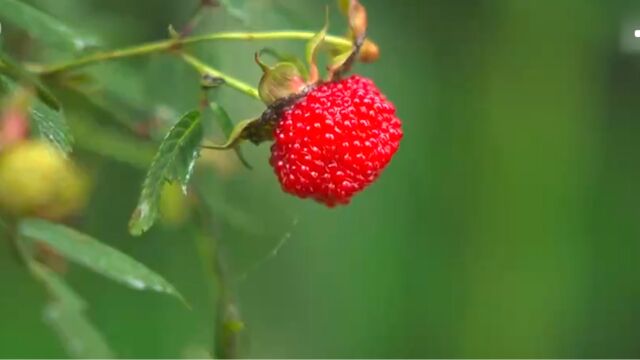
(169, 44)
(228, 320)
(205, 69)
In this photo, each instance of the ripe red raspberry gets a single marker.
(335, 141)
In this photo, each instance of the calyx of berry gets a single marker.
(284, 83)
(278, 81)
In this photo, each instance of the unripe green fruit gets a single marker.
(36, 179)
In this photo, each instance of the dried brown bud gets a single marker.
(369, 52)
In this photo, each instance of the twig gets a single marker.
(169, 44)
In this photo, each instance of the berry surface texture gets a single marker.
(335, 141)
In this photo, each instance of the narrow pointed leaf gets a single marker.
(96, 256)
(312, 49)
(174, 161)
(56, 286)
(226, 125)
(65, 315)
(79, 337)
(239, 132)
(42, 26)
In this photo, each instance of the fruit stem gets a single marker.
(206, 70)
(228, 320)
(169, 44)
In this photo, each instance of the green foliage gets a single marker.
(42, 26)
(113, 144)
(16, 72)
(174, 161)
(45, 112)
(313, 45)
(96, 256)
(65, 315)
(226, 125)
(50, 125)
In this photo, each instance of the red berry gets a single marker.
(335, 141)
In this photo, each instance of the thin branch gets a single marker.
(206, 70)
(169, 44)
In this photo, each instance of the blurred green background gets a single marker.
(507, 225)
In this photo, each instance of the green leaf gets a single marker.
(94, 255)
(315, 42)
(65, 315)
(312, 49)
(42, 26)
(227, 127)
(46, 113)
(15, 71)
(80, 338)
(249, 129)
(174, 161)
(51, 125)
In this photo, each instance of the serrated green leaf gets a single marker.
(174, 161)
(46, 114)
(226, 125)
(65, 315)
(42, 26)
(96, 256)
(51, 125)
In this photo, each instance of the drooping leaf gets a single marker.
(65, 315)
(96, 256)
(241, 131)
(174, 161)
(80, 338)
(227, 128)
(42, 26)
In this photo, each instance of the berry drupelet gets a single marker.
(335, 141)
